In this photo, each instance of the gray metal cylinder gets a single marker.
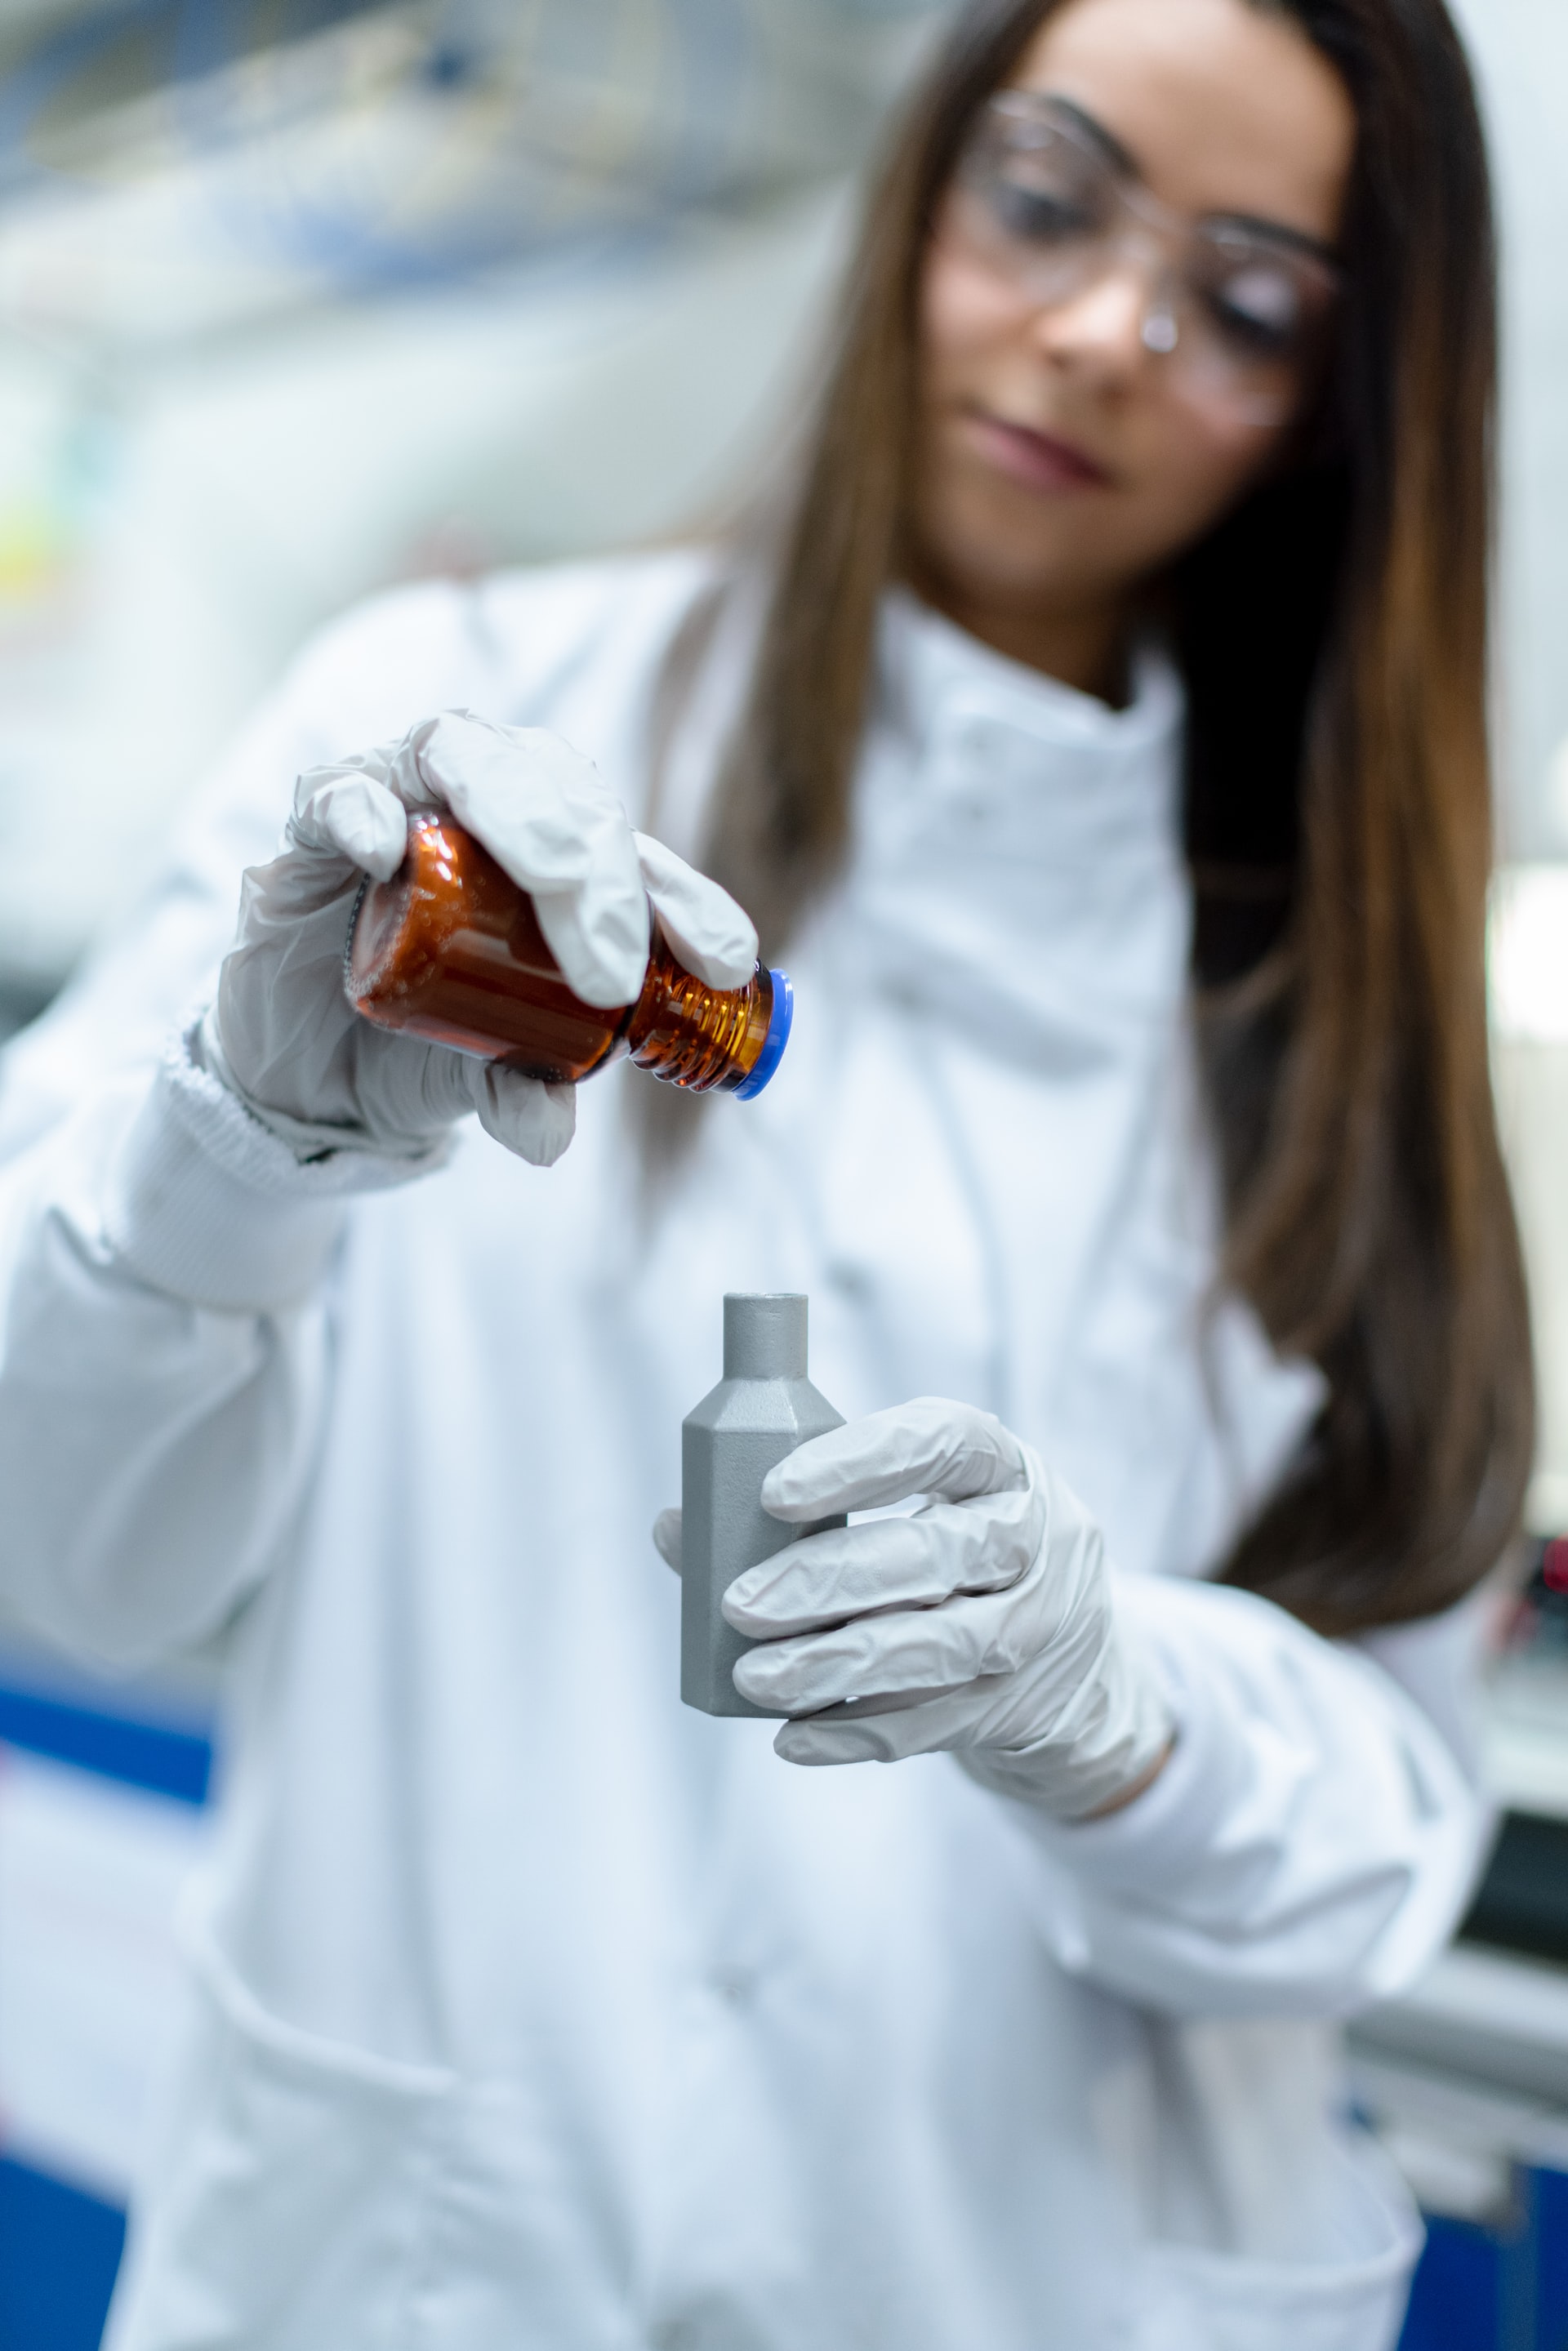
(761, 1410)
(763, 1335)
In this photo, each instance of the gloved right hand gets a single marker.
(283, 1035)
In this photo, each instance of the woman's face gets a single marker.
(1066, 453)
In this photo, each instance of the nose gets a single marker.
(1100, 331)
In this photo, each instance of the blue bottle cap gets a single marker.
(773, 1044)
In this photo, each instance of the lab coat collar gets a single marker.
(1017, 855)
(946, 692)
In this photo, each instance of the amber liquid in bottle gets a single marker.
(451, 950)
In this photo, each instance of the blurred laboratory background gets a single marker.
(301, 297)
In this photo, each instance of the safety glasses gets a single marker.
(1239, 312)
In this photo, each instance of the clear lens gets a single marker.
(1031, 203)
(1043, 186)
(1021, 242)
(1268, 305)
(1260, 318)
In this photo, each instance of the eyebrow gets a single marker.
(1110, 146)
(1275, 232)
(1123, 159)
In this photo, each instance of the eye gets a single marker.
(1259, 306)
(1040, 214)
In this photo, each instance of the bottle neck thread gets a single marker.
(695, 1036)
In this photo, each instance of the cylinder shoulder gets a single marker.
(791, 1407)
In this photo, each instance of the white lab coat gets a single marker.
(529, 2007)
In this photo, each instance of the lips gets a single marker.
(1037, 459)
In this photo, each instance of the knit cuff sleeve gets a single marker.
(205, 1203)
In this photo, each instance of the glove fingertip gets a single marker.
(782, 1496)
(709, 931)
(601, 946)
(558, 1125)
(534, 1121)
(806, 1744)
(431, 745)
(366, 823)
(745, 1616)
(667, 1538)
(722, 972)
(380, 863)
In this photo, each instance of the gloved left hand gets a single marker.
(984, 1624)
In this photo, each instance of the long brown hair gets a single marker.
(1332, 635)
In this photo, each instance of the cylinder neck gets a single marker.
(763, 1335)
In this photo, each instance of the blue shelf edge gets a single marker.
(60, 2256)
(159, 1757)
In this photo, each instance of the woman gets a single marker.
(1103, 728)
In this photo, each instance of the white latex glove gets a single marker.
(984, 1624)
(283, 1035)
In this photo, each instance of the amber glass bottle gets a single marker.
(451, 949)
